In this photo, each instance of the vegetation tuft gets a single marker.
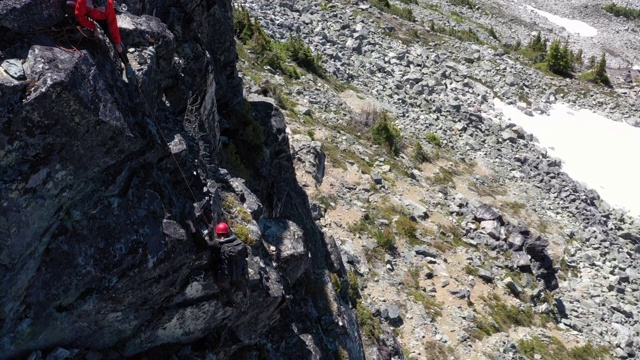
(384, 132)
(420, 155)
(408, 229)
(598, 74)
(434, 139)
(467, 35)
(273, 53)
(468, 3)
(622, 11)
(402, 12)
(553, 348)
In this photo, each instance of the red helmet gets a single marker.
(222, 228)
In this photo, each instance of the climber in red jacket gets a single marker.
(102, 12)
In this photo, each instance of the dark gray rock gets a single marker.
(288, 239)
(13, 67)
(29, 15)
(424, 251)
(516, 241)
(485, 275)
(463, 294)
(485, 212)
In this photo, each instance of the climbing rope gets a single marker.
(164, 139)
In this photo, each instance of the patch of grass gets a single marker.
(334, 155)
(622, 11)
(444, 177)
(502, 317)
(354, 289)
(543, 68)
(336, 283)
(455, 16)
(470, 270)
(273, 53)
(553, 348)
(369, 325)
(467, 3)
(402, 12)
(433, 139)
(327, 201)
(543, 226)
(492, 32)
(466, 35)
(385, 239)
(430, 305)
(276, 92)
(516, 207)
(407, 228)
(435, 350)
(242, 232)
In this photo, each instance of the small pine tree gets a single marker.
(557, 59)
(600, 71)
(578, 58)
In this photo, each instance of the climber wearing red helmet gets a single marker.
(222, 229)
(90, 12)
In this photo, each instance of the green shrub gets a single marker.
(467, 35)
(503, 317)
(408, 229)
(404, 13)
(600, 71)
(492, 32)
(434, 139)
(354, 289)
(559, 59)
(598, 74)
(622, 11)
(468, 3)
(553, 348)
(302, 55)
(385, 239)
(430, 305)
(384, 132)
(242, 232)
(369, 325)
(435, 350)
(536, 49)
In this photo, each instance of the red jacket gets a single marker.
(85, 10)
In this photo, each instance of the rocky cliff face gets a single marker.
(95, 253)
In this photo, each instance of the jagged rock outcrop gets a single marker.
(95, 252)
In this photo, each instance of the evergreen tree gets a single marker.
(600, 71)
(578, 59)
(557, 59)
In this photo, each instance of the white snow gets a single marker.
(595, 150)
(636, 67)
(573, 26)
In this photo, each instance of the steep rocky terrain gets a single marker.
(466, 242)
(492, 213)
(100, 173)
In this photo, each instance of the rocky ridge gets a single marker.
(561, 241)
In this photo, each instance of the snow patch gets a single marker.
(572, 26)
(595, 150)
